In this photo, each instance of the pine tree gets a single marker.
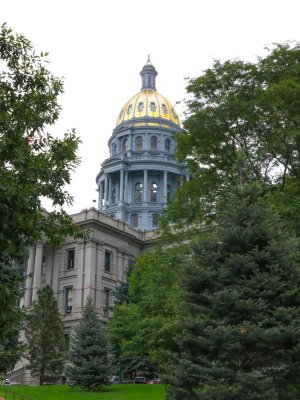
(89, 352)
(239, 334)
(45, 336)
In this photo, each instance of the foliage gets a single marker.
(89, 352)
(45, 336)
(114, 392)
(10, 312)
(238, 334)
(143, 325)
(33, 165)
(240, 108)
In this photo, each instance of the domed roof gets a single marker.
(148, 103)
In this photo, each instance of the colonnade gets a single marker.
(33, 275)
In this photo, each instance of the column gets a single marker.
(105, 190)
(165, 195)
(29, 277)
(100, 205)
(145, 187)
(121, 197)
(126, 187)
(109, 189)
(187, 177)
(37, 270)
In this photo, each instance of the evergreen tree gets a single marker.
(45, 336)
(89, 352)
(239, 331)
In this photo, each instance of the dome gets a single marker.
(148, 103)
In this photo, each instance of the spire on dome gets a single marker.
(148, 74)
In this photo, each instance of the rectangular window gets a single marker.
(68, 297)
(70, 259)
(106, 301)
(107, 261)
(43, 270)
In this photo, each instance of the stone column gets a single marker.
(37, 270)
(165, 195)
(109, 189)
(100, 205)
(29, 277)
(187, 177)
(121, 197)
(145, 187)
(126, 187)
(105, 190)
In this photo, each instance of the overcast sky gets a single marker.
(99, 47)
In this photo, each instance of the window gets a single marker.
(70, 259)
(140, 107)
(138, 143)
(164, 108)
(106, 301)
(124, 145)
(138, 192)
(113, 196)
(169, 192)
(174, 113)
(68, 296)
(155, 218)
(134, 219)
(114, 148)
(107, 261)
(153, 143)
(129, 109)
(153, 192)
(168, 145)
(43, 270)
(152, 106)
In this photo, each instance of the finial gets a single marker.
(148, 60)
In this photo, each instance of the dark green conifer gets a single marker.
(45, 336)
(89, 352)
(239, 334)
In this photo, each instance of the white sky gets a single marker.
(100, 47)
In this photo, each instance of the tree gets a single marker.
(241, 107)
(143, 325)
(33, 165)
(10, 313)
(239, 330)
(45, 336)
(90, 367)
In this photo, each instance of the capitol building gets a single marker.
(134, 186)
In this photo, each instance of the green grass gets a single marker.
(113, 392)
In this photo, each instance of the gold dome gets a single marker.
(148, 103)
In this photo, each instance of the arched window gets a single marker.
(139, 143)
(153, 143)
(168, 145)
(152, 106)
(124, 145)
(114, 148)
(155, 218)
(134, 220)
(153, 192)
(140, 106)
(138, 192)
(113, 196)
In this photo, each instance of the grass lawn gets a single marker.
(113, 392)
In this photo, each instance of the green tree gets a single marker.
(143, 325)
(90, 367)
(241, 107)
(45, 336)
(33, 165)
(238, 335)
(10, 313)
